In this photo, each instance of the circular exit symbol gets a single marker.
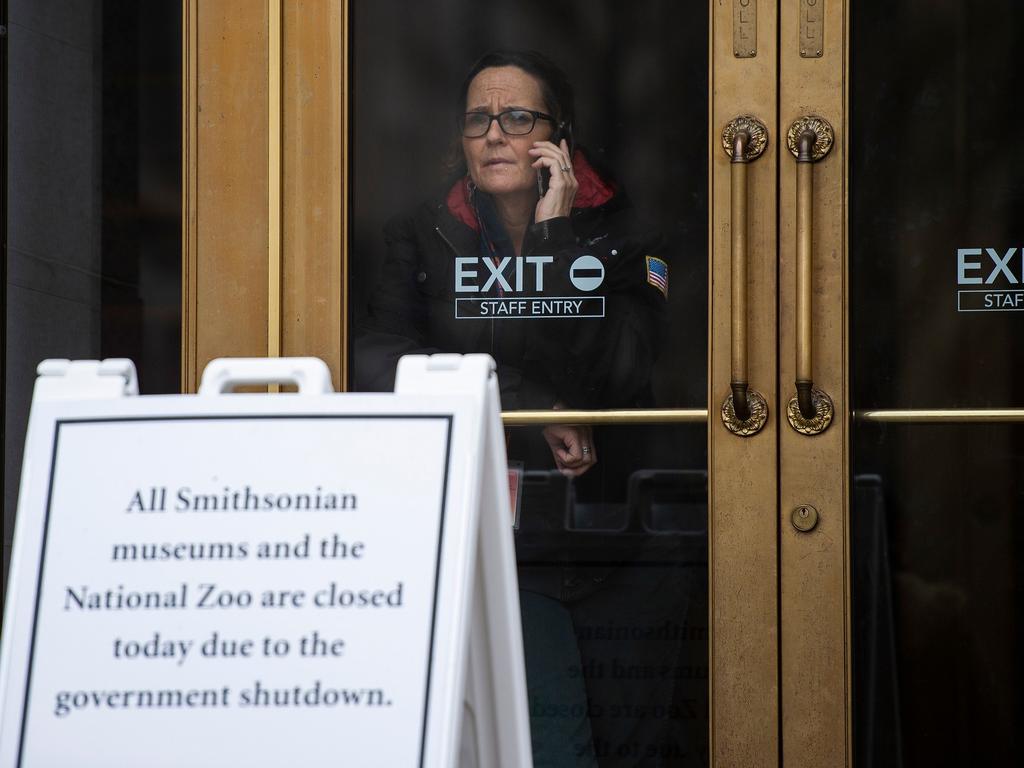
(587, 273)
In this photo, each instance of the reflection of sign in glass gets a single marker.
(999, 268)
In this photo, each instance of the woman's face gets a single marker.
(499, 163)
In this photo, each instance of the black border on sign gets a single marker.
(449, 418)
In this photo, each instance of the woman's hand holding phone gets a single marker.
(555, 161)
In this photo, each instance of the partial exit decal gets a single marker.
(990, 280)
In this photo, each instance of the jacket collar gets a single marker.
(593, 192)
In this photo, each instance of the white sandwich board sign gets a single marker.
(264, 579)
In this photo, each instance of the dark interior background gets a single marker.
(640, 75)
(936, 522)
(92, 180)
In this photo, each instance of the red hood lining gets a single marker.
(593, 191)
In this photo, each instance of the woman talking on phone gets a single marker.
(533, 256)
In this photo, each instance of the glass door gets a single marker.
(937, 350)
(595, 311)
(899, 586)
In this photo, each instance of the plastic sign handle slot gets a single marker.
(310, 374)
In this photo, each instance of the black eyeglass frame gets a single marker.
(491, 118)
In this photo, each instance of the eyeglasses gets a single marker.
(514, 122)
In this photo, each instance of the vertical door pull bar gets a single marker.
(809, 139)
(744, 411)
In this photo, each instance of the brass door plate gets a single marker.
(812, 28)
(744, 29)
(757, 137)
(754, 423)
(804, 518)
(824, 136)
(823, 410)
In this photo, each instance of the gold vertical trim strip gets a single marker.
(189, 191)
(844, 147)
(709, 373)
(743, 474)
(814, 570)
(344, 198)
(274, 179)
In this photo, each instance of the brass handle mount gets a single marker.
(810, 139)
(745, 411)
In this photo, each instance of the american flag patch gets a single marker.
(657, 274)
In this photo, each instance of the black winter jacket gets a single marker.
(577, 362)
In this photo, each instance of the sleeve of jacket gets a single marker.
(397, 314)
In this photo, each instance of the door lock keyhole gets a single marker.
(804, 518)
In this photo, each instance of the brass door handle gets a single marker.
(809, 139)
(744, 411)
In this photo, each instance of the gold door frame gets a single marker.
(264, 181)
(742, 481)
(225, 183)
(814, 591)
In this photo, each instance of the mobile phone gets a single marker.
(562, 131)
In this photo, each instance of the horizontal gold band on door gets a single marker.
(629, 416)
(942, 416)
(700, 416)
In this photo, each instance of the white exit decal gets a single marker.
(1001, 269)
